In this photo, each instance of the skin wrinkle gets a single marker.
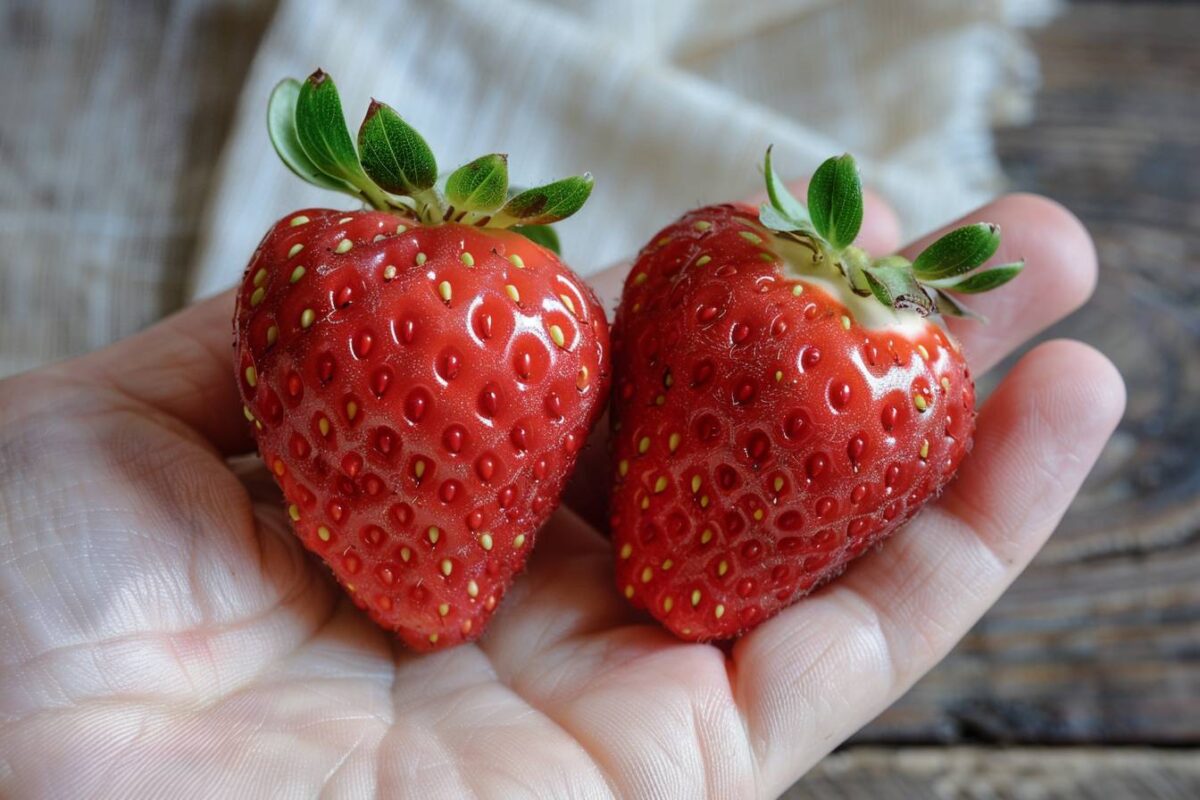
(549, 635)
(131, 459)
(579, 646)
(119, 401)
(733, 682)
(443, 759)
(694, 703)
(333, 771)
(557, 724)
(585, 650)
(254, 724)
(109, 776)
(1000, 544)
(551, 638)
(38, 456)
(870, 622)
(577, 634)
(133, 638)
(748, 687)
(367, 716)
(743, 760)
(829, 704)
(958, 509)
(706, 759)
(182, 364)
(193, 577)
(898, 615)
(396, 730)
(253, 679)
(681, 758)
(511, 683)
(599, 760)
(207, 657)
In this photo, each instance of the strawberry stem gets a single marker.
(830, 222)
(393, 169)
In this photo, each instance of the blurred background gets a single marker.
(135, 174)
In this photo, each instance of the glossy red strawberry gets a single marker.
(419, 388)
(771, 422)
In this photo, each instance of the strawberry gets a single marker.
(420, 379)
(782, 402)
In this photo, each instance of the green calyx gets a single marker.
(392, 168)
(831, 220)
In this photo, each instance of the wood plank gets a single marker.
(1100, 640)
(974, 773)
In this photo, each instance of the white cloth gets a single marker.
(669, 104)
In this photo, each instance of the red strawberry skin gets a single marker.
(421, 394)
(764, 436)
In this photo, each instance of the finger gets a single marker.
(1059, 275)
(812, 676)
(880, 231)
(183, 367)
(879, 234)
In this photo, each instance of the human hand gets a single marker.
(165, 635)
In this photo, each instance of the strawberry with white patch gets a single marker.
(783, 402)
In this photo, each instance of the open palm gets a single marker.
(164, 635)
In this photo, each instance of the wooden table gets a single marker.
(1096, 649)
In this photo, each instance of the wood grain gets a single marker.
(989, 773)
(1100, 640)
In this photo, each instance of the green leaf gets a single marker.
(393, 153)
(782, 200)
(540, 234)
(985, 280)
(959, 251)
(281, 125)
(546, 204)
(835, 201)
(321, 130)
(481, 185)
(948, 306)
(771, 217)
(897, 287)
